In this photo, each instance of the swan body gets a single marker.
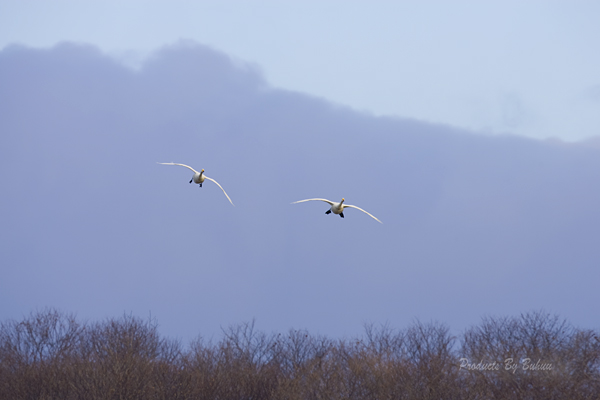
(199, 178)
(338, 208)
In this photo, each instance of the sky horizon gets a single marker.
(473, 225)
(476, 222)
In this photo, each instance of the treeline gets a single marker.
(52, 355)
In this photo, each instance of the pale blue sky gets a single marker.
(522, 67)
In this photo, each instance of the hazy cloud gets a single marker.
(472, 224)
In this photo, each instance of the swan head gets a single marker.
(343, 199)
(201, 172)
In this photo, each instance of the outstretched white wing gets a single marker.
(325, 200)
(369, 214)
(183, 165)
(210, 179)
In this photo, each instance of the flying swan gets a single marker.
(199, 177)
(338, 208)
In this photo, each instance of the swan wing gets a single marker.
(210, 179)
(325, 200)
(183, 165)
(369, 214)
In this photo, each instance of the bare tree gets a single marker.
(51, 355)
(535, 355)
(35, 353)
